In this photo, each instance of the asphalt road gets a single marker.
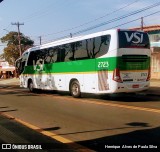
(96, 122)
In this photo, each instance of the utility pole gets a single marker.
(40, 40)
(19, 37)
(142, 23)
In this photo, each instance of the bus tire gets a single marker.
(30, 86)
(75, 89)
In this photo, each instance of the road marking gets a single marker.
(54, 136)
(109, 104)
(124, 106)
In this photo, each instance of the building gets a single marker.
(6, 70)
(154, 35)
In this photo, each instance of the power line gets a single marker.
(117, 18)
(134, 20)
(96, 19)
(155, 18)
(6, 29)
(67, 36)
(109, 21)
(112, 12)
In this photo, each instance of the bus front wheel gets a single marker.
(75, 89)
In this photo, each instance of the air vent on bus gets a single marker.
(134, 58)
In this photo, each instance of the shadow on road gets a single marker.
(144, 96)
(139, 137)
(129, 126)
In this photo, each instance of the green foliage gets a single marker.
(12, 52)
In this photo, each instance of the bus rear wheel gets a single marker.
(75, 89)
(30, 86)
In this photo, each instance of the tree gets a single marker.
(12, 52)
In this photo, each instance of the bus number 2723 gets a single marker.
(104, 64)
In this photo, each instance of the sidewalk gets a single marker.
(10, 81)
(153, 90)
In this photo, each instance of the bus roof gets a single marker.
(74, 39)
(77, 38)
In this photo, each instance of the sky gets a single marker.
(54, 19)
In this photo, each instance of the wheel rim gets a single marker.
(75, 89)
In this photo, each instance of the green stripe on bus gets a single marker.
(90, 65)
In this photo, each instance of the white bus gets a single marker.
(105, 62)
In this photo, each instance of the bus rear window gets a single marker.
(133, 39)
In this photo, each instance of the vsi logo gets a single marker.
(38, 66)
(138, 37)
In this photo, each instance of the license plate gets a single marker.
(135, 86)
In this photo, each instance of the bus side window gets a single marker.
(23, 62)
(18, 65)
(22, 67)
(60, 53)
(68, 53)
(31, 58)
(50, 56)
(81, 51)
(73, 50)
(102, 45)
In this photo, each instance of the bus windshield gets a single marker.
(133, 39)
